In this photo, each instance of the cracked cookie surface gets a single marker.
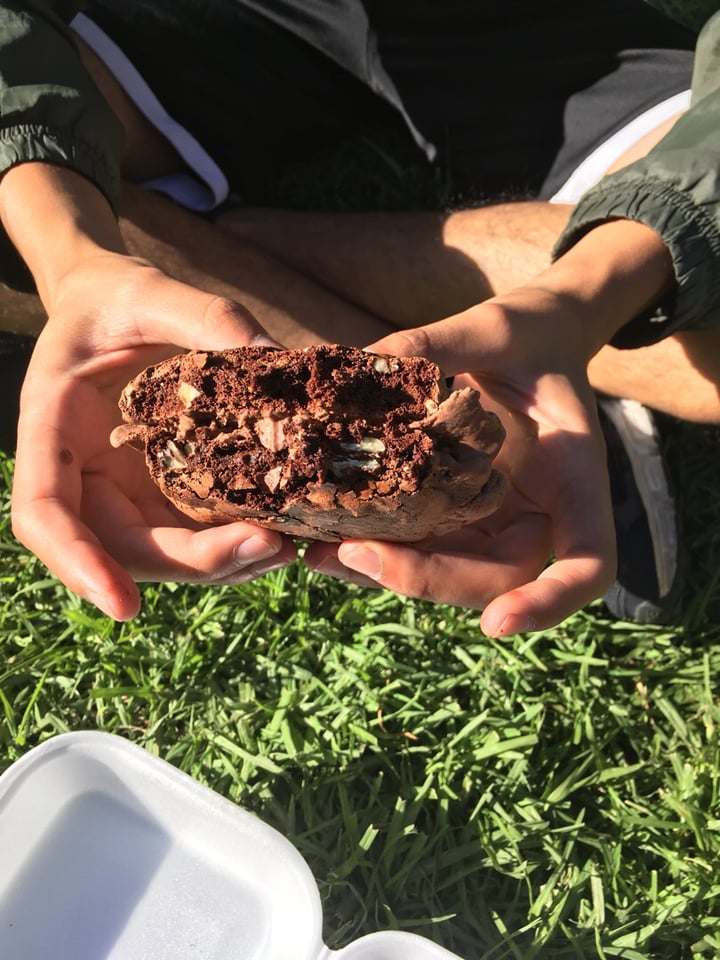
(323, 443)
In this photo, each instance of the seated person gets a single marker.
(525, 331)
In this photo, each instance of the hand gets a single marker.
(92, 513)
(558, 500)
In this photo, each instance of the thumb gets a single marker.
(460, 343)
(197, 320)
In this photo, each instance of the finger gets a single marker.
(233, 553)
(170, 548)
(564, 588)
(585, 548)
(199, 321)
(323, 558)
(471, 582)
(226, 323)
(104, 573)
(507, 576)
(471, 577)
(45, 518)
(460, 343)
(74, 555)
(168, 311)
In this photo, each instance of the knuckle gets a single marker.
(432, 578)
(222, 313)
(418, 342)
(21, 526)
(420, 579)
(408, 343)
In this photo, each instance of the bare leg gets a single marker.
(679, 376)
(410, 268)
(295, 310)
(415, 268)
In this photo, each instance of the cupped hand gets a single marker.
(550, 548)
(89, 512)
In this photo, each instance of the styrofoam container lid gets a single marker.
(107, 853)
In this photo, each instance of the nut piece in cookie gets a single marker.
(323, 443)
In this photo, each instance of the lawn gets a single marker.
(554, 795)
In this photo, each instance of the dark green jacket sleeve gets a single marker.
(50, 109)
(675, 190)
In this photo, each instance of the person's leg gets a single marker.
(679, 376)
(414, 268)
(409, 268)
(295, 310)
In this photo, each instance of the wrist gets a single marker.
(57, 220)
(615, 272)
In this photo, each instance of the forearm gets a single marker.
(51, 112)
(616, 272)
(56, 219)
(675, 190)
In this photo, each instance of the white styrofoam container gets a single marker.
(107, 853)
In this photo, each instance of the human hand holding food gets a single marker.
(89, 512)
(527, 352)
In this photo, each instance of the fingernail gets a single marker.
(253, 550)
(363, 560)
(262, 340)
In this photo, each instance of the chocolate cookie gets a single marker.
(324, 443)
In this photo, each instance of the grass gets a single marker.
(552, 796)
